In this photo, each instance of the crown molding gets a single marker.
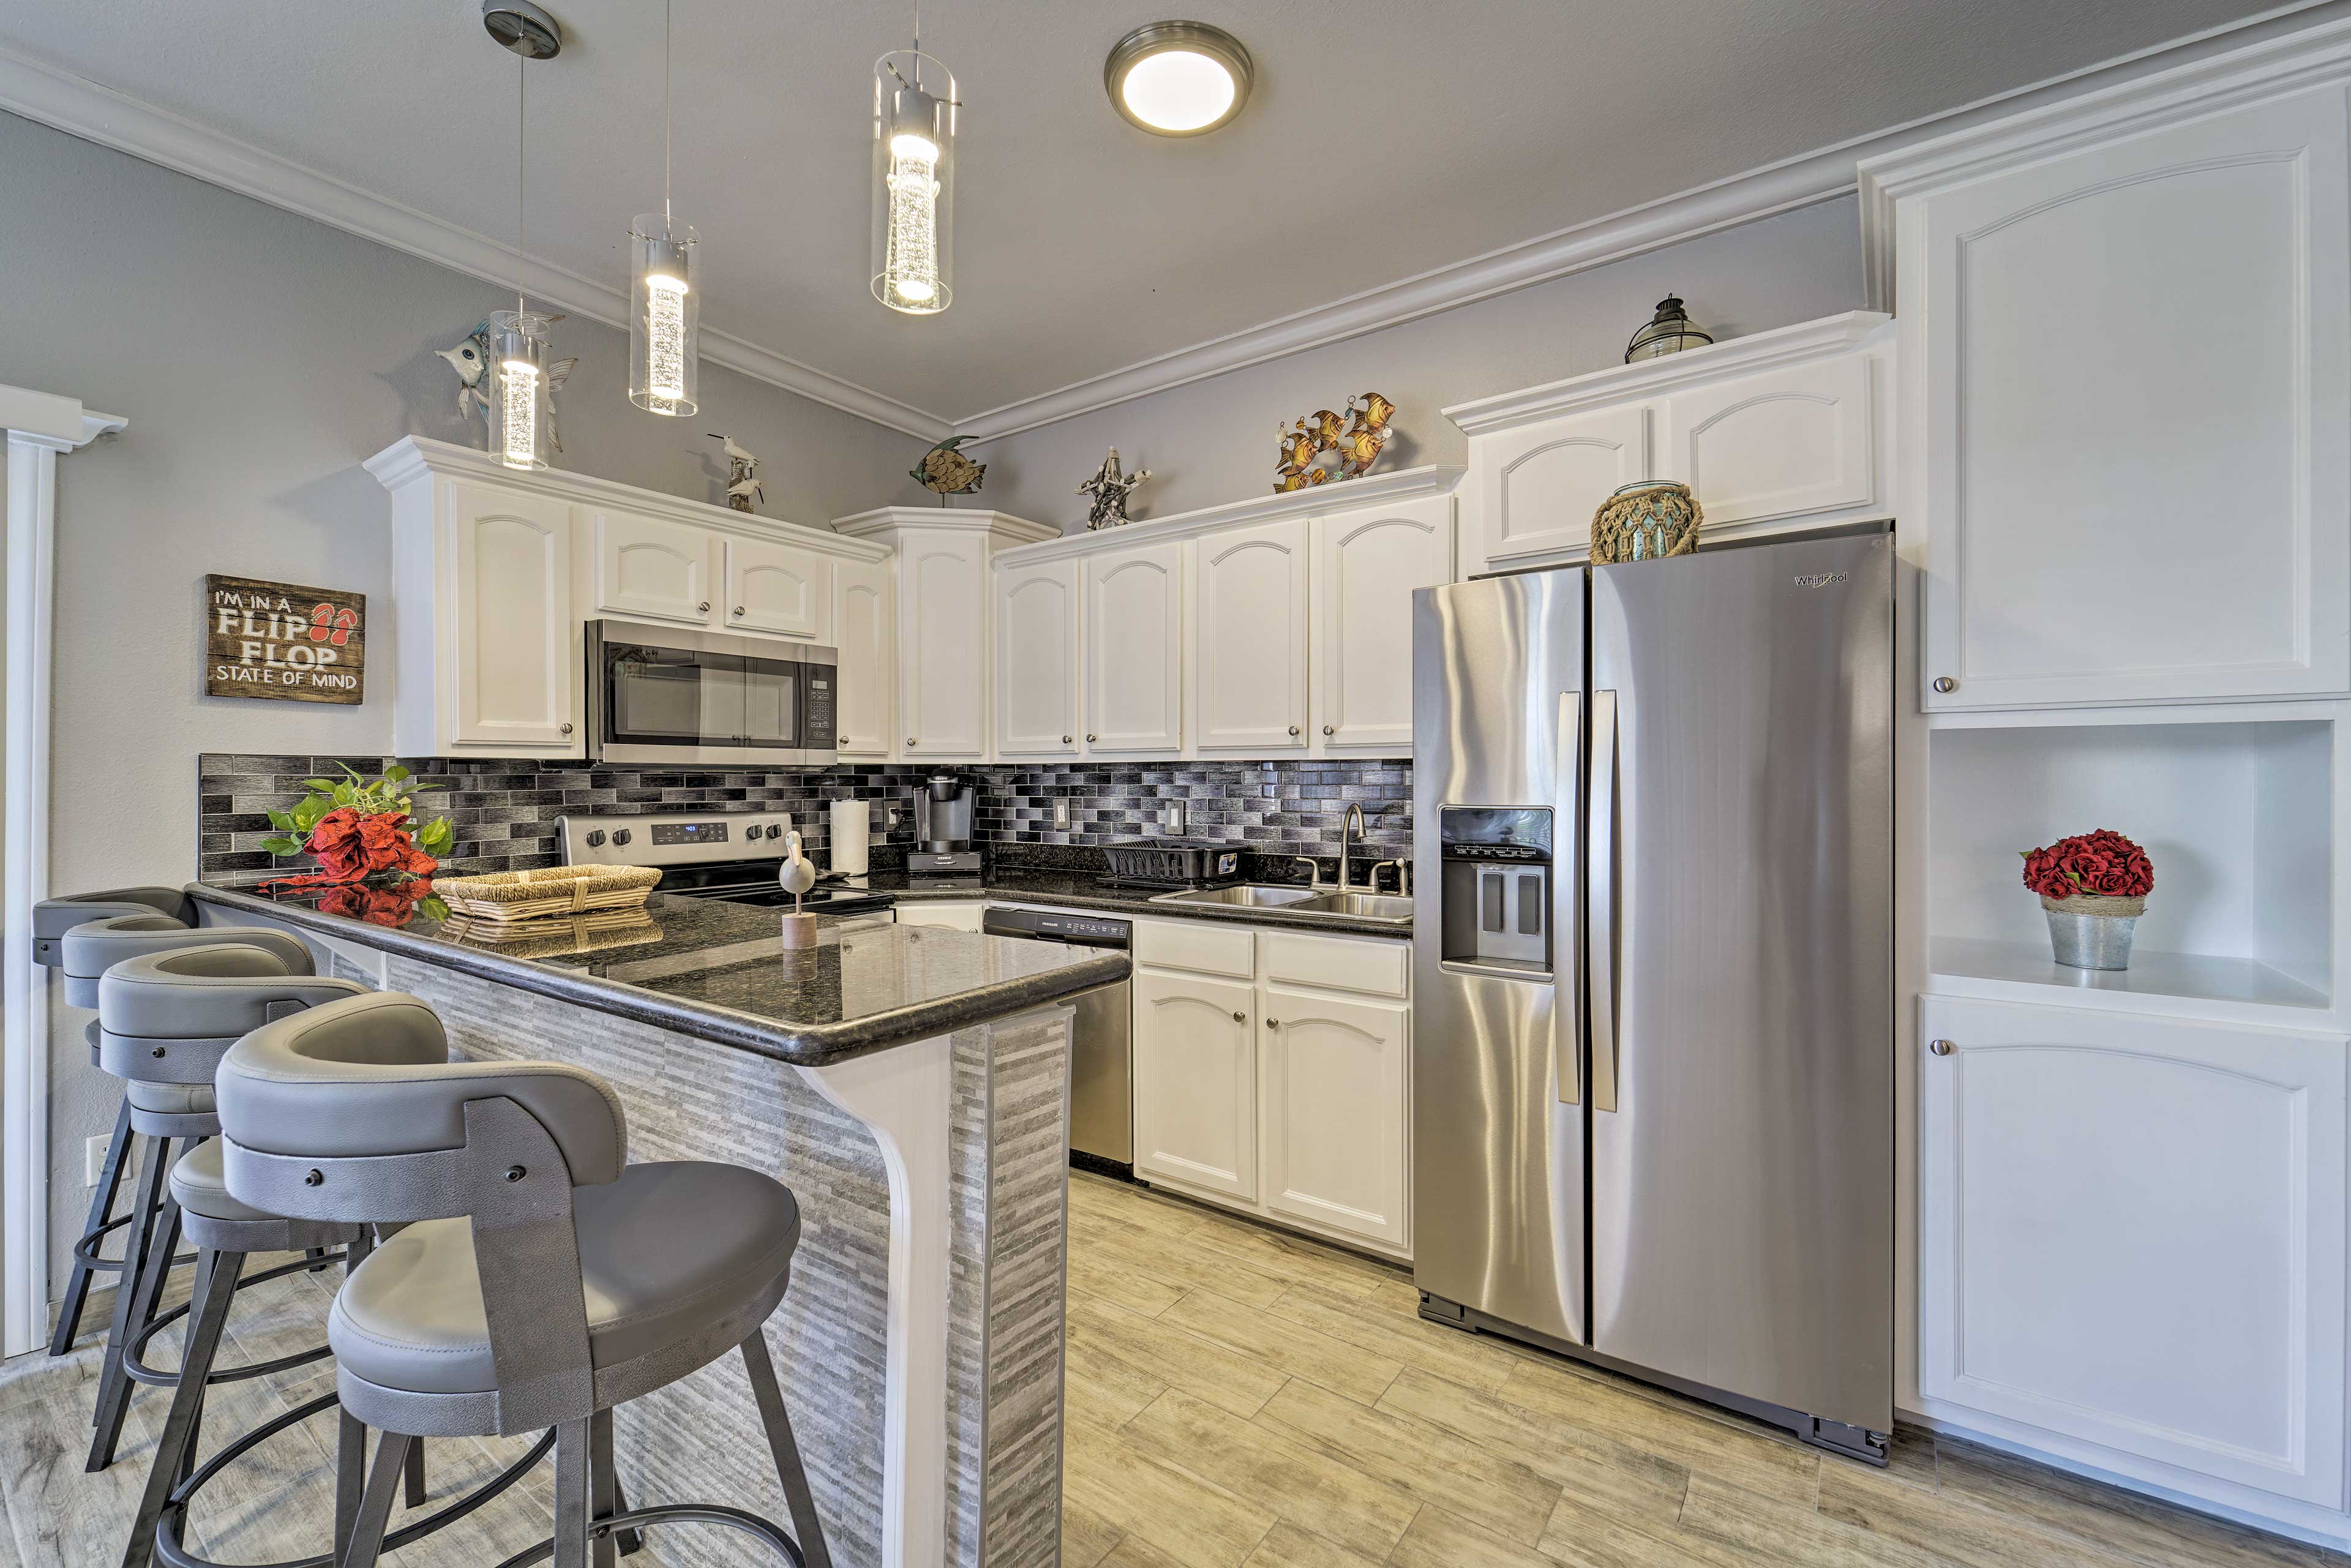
(79, 107)
(1649, 378)
(413, 457)
(884, 522)
(2283, 52)
(1343, 495)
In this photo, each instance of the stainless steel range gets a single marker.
(732, 856)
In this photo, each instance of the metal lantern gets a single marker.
(913, 183)
(518, 403)
(1669, 331)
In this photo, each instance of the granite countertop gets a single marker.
(716, 970)
(1084, 890)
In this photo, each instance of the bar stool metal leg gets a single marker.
(86, 1259)
(148, 1252)
(175, 1449)
(761, 1372)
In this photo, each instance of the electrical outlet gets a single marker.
(93, 1158)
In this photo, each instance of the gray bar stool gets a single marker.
(169, 1018)
(166, 1060)
(543, 1280)
(52, 918)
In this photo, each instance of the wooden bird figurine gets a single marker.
(798, 873)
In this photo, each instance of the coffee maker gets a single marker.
(946, 849)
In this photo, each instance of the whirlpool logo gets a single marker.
(1820, 580)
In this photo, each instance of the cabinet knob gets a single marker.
(910, 741)
(1328, 730)
(1241, 1017)
(566, 730)
(1273, 1023)
(1940, 1047)
(1090, 739)
(1069, 740)
(738, 609)
(703, 607)
(1293, 729)
(1945, 684)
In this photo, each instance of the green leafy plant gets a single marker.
(393, 795)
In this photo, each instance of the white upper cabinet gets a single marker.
(1368, 565)
(777, 587)
(1036, 640)
(1134, 649)
(1539, 484)
(2127, 353)
(1790, 443)
(865, 621)
(650, 569)
(2131, 1235)
(1774, 430)
(943, 644)
(509, 645)
(1249, 637)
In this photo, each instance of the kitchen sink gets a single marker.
(1357, 906)
(1245, 896)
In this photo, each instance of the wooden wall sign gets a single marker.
(284, 641)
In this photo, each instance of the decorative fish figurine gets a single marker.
(1376, 410)
(469, 358)
(557, 375)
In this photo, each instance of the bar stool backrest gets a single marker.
(170, 1017)
(353, 1110)
(91, 948)
(52, 918)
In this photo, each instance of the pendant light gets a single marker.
(913, 180)
(665, 293)
(518, 414)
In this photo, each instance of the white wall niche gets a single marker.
(2239, 818)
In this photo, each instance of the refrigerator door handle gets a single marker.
(1600, 913)
(1567, 922)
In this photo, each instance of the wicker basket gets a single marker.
(550, 890)
(557, 936)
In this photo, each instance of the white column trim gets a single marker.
(39, 425)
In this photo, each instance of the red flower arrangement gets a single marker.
(2098, 865)
(371, 853)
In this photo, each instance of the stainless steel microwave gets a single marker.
(708, 697)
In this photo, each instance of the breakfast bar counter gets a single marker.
(909, 1084)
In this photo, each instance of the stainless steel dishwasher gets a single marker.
(1102, 1062)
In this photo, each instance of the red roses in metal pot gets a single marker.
(2101, 864)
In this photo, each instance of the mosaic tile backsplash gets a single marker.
(505, 811)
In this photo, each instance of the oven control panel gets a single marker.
(665, 839)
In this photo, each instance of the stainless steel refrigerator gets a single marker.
(1652, 1075)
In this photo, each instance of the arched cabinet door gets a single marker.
(1037, 639)
(1540, 484)
(649, 569)
(865, 625)
(1368, 564)
(1249, 642)
(1331, 1076)
(943, 648)
(778, 588)
(1195, 1083)
(2131, 1236)
(516, 661)
(1134, 649)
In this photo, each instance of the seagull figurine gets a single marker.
(742, 474)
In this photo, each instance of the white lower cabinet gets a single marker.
(1333, 1105)
(1195, 1083)
(1272, 1075)
(2131, 1243)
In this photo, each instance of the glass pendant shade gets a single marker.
(913, 184)
(519, 389)
(664, 315)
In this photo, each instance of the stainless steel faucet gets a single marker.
(1351, 832)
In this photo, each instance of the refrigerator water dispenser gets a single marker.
(1494, 904)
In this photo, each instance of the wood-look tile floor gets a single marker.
(1236, 1398)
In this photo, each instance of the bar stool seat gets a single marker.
(667, 1253)
(171, 1098)
(202, 1192)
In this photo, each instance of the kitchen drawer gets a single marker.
(1337, 963)
(1197, 945)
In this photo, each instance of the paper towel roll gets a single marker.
(849, 837)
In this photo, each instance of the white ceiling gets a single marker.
(1385, 138)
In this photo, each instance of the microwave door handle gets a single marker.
(1600, 911)
(1566, 923)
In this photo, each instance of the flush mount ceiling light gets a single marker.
(1178, 78)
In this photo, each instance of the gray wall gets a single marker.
(1213, 441)
(260, 357)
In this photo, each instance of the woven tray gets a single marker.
(550, 890)
(555, 936)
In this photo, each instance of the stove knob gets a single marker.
(620, 836)
(775, 830)
(596, 838)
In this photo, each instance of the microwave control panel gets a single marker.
(823, 679)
